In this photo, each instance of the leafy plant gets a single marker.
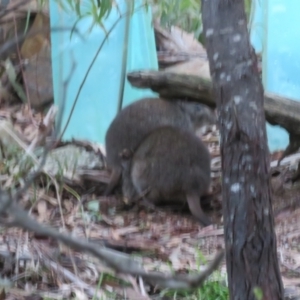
(183, 13)
(211, 290)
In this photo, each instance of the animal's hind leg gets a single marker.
(113, 181)
(128, 190)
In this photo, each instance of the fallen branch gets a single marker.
(279, 110)
(11, 215)
(120, 262)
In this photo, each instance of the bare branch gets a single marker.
(118, 261)
(35, 174)
(12, 8)
(90, 67)
(13, 215)
(10, 44)
(279, 110)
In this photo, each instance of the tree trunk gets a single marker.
(250, 239)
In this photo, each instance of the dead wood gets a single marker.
(278, 110)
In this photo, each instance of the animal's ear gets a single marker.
(125, 154)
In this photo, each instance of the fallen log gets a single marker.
(279, 110)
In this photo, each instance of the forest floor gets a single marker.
(167, 240)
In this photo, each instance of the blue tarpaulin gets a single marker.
(275, 33)
(103, 90)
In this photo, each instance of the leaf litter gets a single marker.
(166, 240)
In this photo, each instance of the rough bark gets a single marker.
(250, 239)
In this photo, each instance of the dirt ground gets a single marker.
(166, 240)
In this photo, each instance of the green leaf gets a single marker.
(258, 293)
(12, 77)
(77, 8)
(105, 9)
(93, 206)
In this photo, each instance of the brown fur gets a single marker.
(138, 119)
(174, 165)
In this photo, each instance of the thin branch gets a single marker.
(90, 67)
(72, 277)
(13, 8)
(22, 70)
(32, 177)
(64, 97)
(118, 261)
(7, 46)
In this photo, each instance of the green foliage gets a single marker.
(258, 293)
(183, 13)
(248, 4)
(211, 290)
(15, 165)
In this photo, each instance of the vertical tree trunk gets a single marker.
(248, 217)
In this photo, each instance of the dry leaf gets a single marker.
(43, 213)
